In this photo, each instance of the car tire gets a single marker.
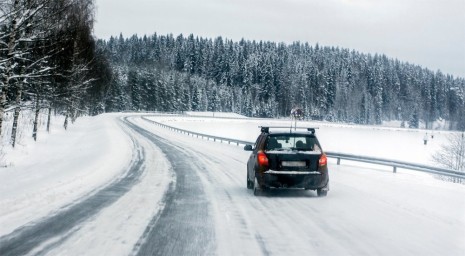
(249, 182)
(256, 188)
(321, 193)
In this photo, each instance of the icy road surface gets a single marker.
(178, 195)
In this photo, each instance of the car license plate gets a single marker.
(293, 163)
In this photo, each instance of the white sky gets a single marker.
(430, 33)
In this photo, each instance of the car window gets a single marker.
(257, 142)
(292, 142)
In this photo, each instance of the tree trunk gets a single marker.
(15, 124)
(48, 119)
(66, 121)
(2, 107)
(36, 119)
(14, 130)
(19, 83)
(3, 101)
(74, 114)
(10, 56)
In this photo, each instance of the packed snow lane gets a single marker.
(368, 211)
(185, 226)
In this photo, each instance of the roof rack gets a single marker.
(266, 129)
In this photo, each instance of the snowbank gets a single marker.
(61, 168)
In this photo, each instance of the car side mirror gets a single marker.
(248, 148)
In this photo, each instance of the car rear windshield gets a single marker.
(292, 142)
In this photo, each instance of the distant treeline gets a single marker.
(266, 79)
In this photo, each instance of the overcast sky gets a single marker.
(429, 33)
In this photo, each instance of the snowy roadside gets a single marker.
(61, 168)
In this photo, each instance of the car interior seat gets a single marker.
(272, 144)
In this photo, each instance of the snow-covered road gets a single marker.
(180, 195)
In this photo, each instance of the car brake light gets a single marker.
(323, 160)
(262, 159)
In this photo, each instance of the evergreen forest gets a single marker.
(268, 79)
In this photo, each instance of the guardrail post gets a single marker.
(394, 170)
(338, 161)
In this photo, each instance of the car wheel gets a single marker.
(256, 188)
(321, 193)
(249, 182)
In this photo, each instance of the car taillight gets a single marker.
(323, 160)
(262, 159)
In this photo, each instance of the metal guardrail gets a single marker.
(396, 164)
(339, 156)
(200, 135)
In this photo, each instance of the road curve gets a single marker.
(185, 225)
(53, 230)
(204, 208)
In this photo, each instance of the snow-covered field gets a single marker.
(369, 210)
(376, 141)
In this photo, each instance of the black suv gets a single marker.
(289, 159)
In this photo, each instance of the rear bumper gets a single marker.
(293, 179)
(291, 172)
